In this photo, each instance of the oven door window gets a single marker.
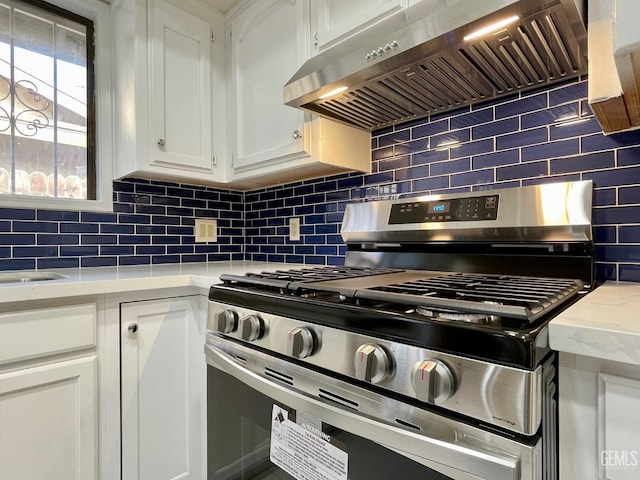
(240, 431)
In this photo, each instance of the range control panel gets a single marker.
(453, 210)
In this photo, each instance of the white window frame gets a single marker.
(100, 14)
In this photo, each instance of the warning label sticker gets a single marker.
(305, 452)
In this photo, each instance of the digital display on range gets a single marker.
(457, 209)
(440, 207)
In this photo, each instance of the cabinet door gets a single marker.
(619, 427)
(163, 389)
(267, 47)
(48, 421)
(337, 19)
(181, 88)
(599, 434)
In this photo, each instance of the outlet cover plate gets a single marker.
(206, 230)
(294, 229)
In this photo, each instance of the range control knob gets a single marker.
(432, 381)
(300, 342)
(251, 328)
(373, 363)
(225, 321)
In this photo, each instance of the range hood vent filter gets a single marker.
(538, 50)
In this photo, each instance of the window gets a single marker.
(50, 153)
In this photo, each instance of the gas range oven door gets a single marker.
(264, 422)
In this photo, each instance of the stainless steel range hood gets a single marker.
(419, 63)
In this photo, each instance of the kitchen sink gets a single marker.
(29, 276)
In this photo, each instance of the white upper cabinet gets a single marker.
(334, 20)
(199, 96)
(181, 88)
(267, 46)
(169, 90)
(271, 142)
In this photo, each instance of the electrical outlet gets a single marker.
(294, 229)
(206, 230)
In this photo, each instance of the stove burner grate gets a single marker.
(508, 296)
(320, 274)
(281, 279)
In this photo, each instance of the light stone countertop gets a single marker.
(604, 324)
(102, 280)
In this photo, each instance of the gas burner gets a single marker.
(457, 316)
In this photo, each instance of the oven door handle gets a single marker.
(461, 460)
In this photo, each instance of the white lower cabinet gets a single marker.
(48, 419)
(599, 419)
(163, 375)
(49, 394)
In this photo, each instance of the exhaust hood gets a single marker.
(439, 55)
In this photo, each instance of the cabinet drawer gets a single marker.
(35, 333)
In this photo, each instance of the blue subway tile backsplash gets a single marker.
(520, 105)
(629, 195)
(628, 157)
(591, 161)
(521, 139)
(628, 272)
(564, 148)
(468, 119)
(506, 142)
(150, 219)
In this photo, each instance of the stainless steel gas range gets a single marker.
(424, 356)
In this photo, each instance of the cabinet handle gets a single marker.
(161, 142)
(132, 328)
(297, 135)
